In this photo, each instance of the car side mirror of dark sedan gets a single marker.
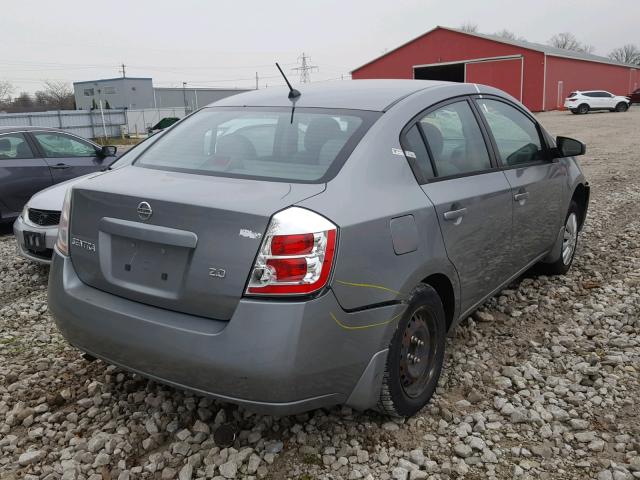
(108, 151)
(569, 147)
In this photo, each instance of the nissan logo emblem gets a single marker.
(144, 211)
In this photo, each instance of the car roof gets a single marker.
(376, 95)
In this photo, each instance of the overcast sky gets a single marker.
(223, 43)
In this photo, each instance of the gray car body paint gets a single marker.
(285, 356)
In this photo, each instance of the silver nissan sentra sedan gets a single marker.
(288, 252)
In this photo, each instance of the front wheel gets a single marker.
(568, 246)
(622, 107)
(416, 355)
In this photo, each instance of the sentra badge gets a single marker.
(83, 244)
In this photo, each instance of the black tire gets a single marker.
(583, 108)
(563, 264)
(622, 107)
(407, 386)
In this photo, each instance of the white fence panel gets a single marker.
(88, 124)
(140, 120)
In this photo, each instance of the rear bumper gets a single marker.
(275, 357)
(50, 233)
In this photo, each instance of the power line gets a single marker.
(138, 66)
(305, 68)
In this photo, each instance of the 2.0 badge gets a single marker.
(217, 272)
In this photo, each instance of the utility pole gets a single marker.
(256, 80)
(124, 71)
(305, 68)
(184, 95)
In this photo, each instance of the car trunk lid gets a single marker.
(180, 241)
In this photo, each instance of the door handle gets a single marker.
(455, 214)
(518, 197)
(60, 166)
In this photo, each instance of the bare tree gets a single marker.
(568, 41)
(6, 89)
(565, 40)
(509, 35)
(23, 100)
(58, 94)
(626, 54)
(469, 27)
(41, 97)
(588, 48)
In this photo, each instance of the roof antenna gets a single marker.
(293, 93)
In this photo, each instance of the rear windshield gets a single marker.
(573, 94)
(309, 146)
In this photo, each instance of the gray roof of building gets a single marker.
(374, 95)
(538, 47)
(112, 79)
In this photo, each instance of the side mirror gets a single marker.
(108, 151)
(569, 147)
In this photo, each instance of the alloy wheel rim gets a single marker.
(570, 238)
(417, 354)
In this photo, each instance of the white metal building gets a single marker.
(139, 93)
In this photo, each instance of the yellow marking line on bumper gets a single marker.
(369, 285)
(362, 327)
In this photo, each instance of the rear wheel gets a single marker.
(568, 246)
(622, 107)
(416, 355)
(583, 108)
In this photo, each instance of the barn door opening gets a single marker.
(448, 73)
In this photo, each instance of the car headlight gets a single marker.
(62, 243)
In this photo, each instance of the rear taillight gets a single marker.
(62, 243)
(296, 254)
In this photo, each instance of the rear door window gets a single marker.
(14, 146)
(307, 145)
(515, 134)
(455, 141)
(416, 152)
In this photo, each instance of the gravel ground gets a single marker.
(543, 382)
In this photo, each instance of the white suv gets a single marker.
(582, 102)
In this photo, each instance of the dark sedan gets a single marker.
(634, 97)
(34, 158)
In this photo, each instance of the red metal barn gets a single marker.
(538, 75)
